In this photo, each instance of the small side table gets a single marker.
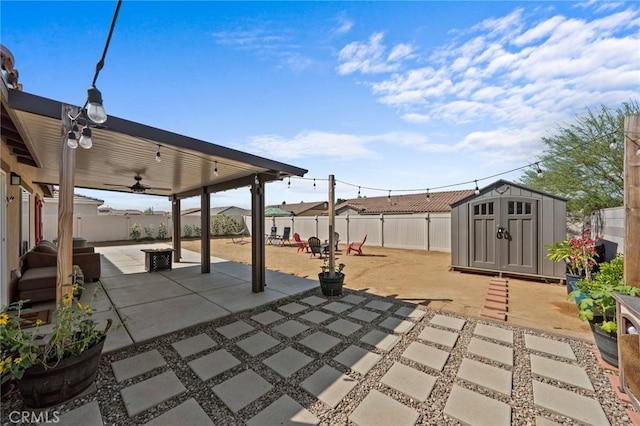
(628, 313)
(157, 259)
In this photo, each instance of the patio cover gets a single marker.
(122, 149)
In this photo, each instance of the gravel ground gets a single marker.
(431, 412)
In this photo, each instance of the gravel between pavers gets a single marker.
(431, 412)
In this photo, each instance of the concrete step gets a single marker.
(500, 307)
(497, 298)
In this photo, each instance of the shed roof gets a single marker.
(499, 183)
(438, 202)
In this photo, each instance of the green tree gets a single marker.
(580, 163)
(148, 211)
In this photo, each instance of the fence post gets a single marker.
(428, 229)
(382, 230)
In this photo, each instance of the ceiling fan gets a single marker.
(138, 187)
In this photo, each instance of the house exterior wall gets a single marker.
(50, 208)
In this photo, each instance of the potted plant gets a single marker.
(331, 281)
(599, 307)
(579, 254)
(54, 367)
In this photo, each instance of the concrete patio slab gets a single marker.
(240, 297)
(337, 307)
(316, 317)
(566, 403)
(144, 293)
(411, 382)
(193, 345)
(548, 346)
(268, 317)
(543, 421)
(242, 389)
(440, 337)
(381, 340)
(85, 415)
(344, 327)
(406, 312)
(235, 329)
(398, 326)
(486, 376)
(203, 282)
(448, 322)
(187, 413)
(380, 409)
(426, 355)
(491, 351)
(320, 342)
(560, 371)
(286, 412)
(287, 361)
(293, 308)
(131, 280)
(329, 385)
(379, 305)
(358, 359)
(151, 392)
(258, 343)
(364, 315)
(290, 328)
(291, 285)
(118, 336)
(137, 365)
(209, 366)
(313, 300)
(353, 299)
(495, 333)
(472, 408)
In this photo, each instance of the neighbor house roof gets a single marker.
(300, 208)
(77, 199)
(232, 210)
(438, 202)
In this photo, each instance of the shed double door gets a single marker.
(504, 234)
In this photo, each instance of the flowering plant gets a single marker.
(325, 267)
(73, 333)
(579, 253)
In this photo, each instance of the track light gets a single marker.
(215, 168)
(85, 140)
(158, 159)
(477, 190)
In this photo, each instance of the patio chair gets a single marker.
(356, 246)
(316, 246)
(272, 236)
(285, 236)
(301, 244)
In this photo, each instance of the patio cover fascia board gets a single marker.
(268, 170)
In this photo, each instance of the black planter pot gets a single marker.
(571, 280)
(607, 344)
(331, 286)
(43, 387)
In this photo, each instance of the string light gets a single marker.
(613, 144)
(85, 139)
(428, 195)
(538, 169)
(314, 183)
(359, 196)
(477, 190)
(215, 168)
(72, 136)
(389, 197)
(289, 183)
(158, 159)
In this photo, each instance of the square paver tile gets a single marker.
(285, 411)
(495, 333)
(329, 385)
(364, 315)
(344, 327)
(257, 343)
(566, 403)
(290, 328)
(187, 413)
(267, 317)
(492, 351)
(287, 361)
(313, 300)
(471, 408)
(426, 355)
(320, 342)
(411, 382)
(410, 313)
(448, 322)
(379, 409)
(380, 339)
(242, 389)
(358, 359)
(235, 329)
(337, 307)
(213, 364)
(379, 305)
(486, 376)
(293, 308)
(137, 365)
(396, 325)
(353, 299)
(440, 337)
(193, 345)
(561, 371)
(316, 317)
(85, 415)
(549, 346)
(151, 392)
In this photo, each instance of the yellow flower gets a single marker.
(39, 322)
(8, 360)
(68, 298)
(1, 366)
(4, 318)
(87, 309)
(74, 287)
(79, 305)
(17, 360)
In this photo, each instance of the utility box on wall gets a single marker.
(504, 229)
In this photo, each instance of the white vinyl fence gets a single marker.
(609, 224)
(416, 231)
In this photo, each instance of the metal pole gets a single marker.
(332, 222)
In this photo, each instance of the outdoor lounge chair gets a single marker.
(270, 238)
(285, 236)
(356, 246)
(301, 244)
(316, 246)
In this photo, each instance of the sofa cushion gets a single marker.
(37, 278)
(46, 247)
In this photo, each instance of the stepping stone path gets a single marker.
(299, 363)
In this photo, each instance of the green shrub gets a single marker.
(163, 234)
(148, 232)
(135, 231)
(222, 224)
(187, 231)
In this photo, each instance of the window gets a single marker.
(483, 209)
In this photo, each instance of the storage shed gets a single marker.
(504, 229)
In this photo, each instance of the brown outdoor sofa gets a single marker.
(39, 268)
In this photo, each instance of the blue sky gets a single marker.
(387, 95)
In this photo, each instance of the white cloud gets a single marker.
(371, 57)
(344, 25)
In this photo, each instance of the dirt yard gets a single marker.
(421, 277)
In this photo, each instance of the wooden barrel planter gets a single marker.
(331, 286)
(607, 344)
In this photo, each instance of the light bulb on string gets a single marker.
(314, 183)
(428, 195)
(158, 159)
(85, 140)
(215, 168)
(389, 197)
(359, 196)
(72, 136)
(538, 170)
(613, 143)
(289, 183)
(477, 190)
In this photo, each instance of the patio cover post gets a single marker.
(205, 234)
(64, 263)
(632, 200)
(257, 236)
(175, 237)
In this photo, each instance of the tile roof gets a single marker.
(439, 202)
(299, 208)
